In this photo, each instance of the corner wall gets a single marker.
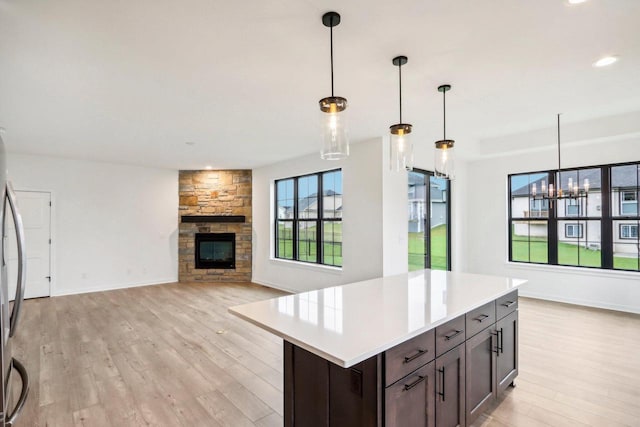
(362, 221)
(113, 226)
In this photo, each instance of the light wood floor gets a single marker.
(171, 355)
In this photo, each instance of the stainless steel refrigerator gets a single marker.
(10, 312)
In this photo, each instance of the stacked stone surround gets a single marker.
(226, 192)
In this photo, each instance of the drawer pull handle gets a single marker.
(441, 392)
(408, 387)
(453, 335)
(508, 304)
(498, 348)
(409, 359)
(482, 318)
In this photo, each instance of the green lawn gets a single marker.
(438, 249)
(567, 254)
(308, 249)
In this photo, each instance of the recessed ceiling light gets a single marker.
(190, 143)
(604, 61)
(208, 168)
(576, 1)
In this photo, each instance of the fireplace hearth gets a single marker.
(215, 250)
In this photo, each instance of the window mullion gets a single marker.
(552, 226)
(319, 217)
(427, 221)
(295, 220)
(606, 224)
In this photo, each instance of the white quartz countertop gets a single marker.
(350, 323)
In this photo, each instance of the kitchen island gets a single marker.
(427, 348)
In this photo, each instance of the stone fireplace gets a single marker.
(215, 226)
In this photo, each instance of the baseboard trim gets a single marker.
(585, 303)
(273, 285)
(112, 288)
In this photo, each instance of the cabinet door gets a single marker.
(481, 373)
(507, 355)
(410, 401)
(450, 388)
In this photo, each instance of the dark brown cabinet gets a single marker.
(507, 354)
(444, 377)
(481, 373)
(409, 402)
(450, 388)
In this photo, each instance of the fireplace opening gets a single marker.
(215, 250)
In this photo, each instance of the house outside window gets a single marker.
(539, 208)
(594, 229)
(308, 224)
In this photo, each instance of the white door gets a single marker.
(35, 208)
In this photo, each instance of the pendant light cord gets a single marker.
(444, 115)
(400, 88)
(331, 37)
(558, 143)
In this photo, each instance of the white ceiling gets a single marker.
(132, 81)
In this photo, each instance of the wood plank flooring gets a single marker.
(171, 355)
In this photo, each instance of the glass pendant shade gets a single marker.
(444, 161)
(401, 148)
(444, 158)
(335, 137)
(333, 116)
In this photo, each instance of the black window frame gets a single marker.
(427, 221)
(296, 220)
(606, 217)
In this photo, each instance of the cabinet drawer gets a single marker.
(480, 318)
(410, 401)
(405, 358)
(450, 335)
(506, 304)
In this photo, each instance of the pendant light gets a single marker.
(444, 147)
(401, 156)
(549, 193)
(335, 141)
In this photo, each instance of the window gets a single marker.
(528, 218)
(539, 206)
(572, 207)
(573, 230)
(429, 213)
(309, 218)
(597, 229)
(629, 203)
(625, 184)
(628, 231)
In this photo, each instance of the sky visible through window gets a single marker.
(332, 182)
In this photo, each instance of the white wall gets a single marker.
(375, 222)
(395, 217)
(361, 229)
(487, 231)
(113, 226)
